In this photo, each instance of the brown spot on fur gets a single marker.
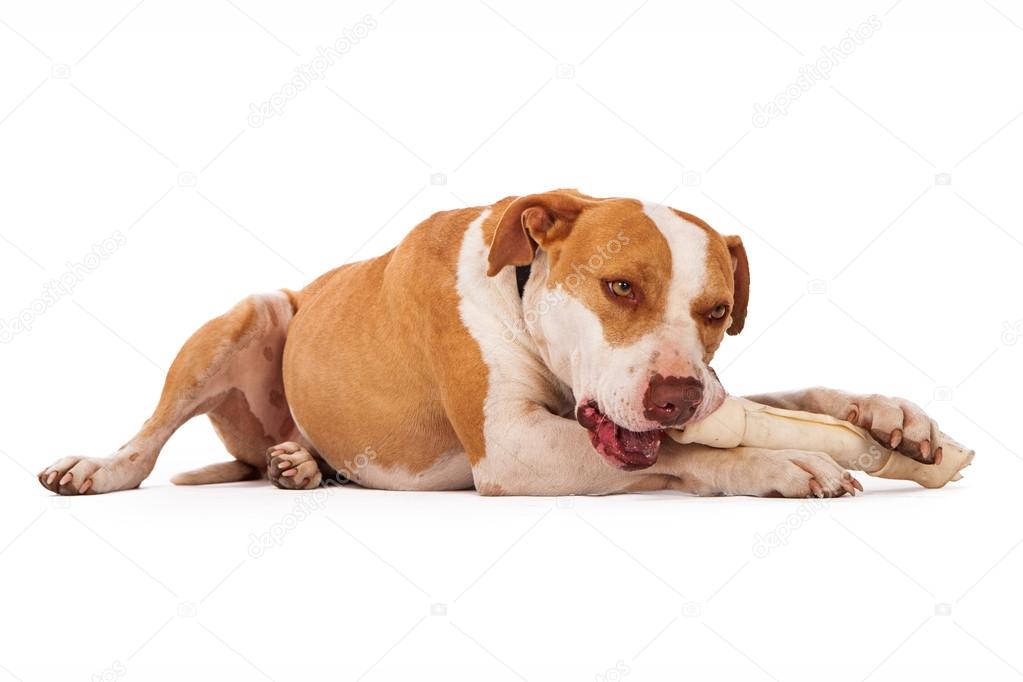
(277, 399)
(287, 427)
(268, 353)
(133, 456)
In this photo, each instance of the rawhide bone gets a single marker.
(740, 422)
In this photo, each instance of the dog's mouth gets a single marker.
(628, 450)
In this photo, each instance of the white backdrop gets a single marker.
(158, 161)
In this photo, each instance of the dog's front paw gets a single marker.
(897, 424)
(795, 473)
(290, 466)
(79, 476)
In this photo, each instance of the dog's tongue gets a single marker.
(624, 449)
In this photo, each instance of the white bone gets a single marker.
(741, 422)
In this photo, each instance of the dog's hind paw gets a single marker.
(291, 466)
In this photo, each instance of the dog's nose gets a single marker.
(672, 400)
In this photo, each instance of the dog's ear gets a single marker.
(740, 276)
(532, 221)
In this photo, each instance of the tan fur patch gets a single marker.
(406, 387)
(620, 243)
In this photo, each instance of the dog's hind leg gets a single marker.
(229, 369)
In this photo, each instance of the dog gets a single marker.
(537, 346)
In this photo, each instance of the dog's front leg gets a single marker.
(537, 453)
(893, 422)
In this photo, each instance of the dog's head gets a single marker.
(627, 304)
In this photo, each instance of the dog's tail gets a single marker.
(223, 472)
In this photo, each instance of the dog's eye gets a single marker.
(719, 312)
(620, 288)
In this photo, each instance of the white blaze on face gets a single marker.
(680, 348)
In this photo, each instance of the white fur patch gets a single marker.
(451, 471)
(491, 310)
(689, 246)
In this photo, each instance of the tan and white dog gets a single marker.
(537, 346)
